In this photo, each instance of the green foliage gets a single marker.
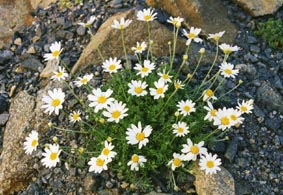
(69, 3)
(272, 32)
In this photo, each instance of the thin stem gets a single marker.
(230, 90)
(210, 134)
(149, 40)
(175, 35)
(214, 61)
(69, 130)
(163, 107)
(97, 48)
(200, 58)
(124, 46)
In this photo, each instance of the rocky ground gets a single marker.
(254, 153)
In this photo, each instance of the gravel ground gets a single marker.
(254, 153)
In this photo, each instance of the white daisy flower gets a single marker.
(107, 152)
(140, 47)
(180, 129)
(115, 111)
(159, 91)
(55, 49)
(31, 142)
(211, 114)
(192, 35)
(122, 24)
(164, 76)
(223, 120)
(100, 99)
(235, 117)
(137, 88)
(89, 22)
(210, 164)
(98, 164)
(83, 80)
(216, 36)
(186, 107)
(51, 155)
(208, 95)
(176, 161)
(245, 106)
(75, 116)
(178, 84)
(136, 162)
(227, 70)
(112, 65)
(54, 100)
(191, 151)
(146, 69)
(60, 74)
(137, 135)
(227, 49)
(175, 21)
(146, 15)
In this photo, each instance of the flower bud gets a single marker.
(55, 139)
(169, 42)
(202, 51)
(177, 114)
(241, 81)
(185, 57)
(81, 150)
(50, 124)
(102, 120)
(109, 139)
(189, 75)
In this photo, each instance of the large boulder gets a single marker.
(260, 7)
(15, 167)
(210, 15)
(221, 183)
(109, 41)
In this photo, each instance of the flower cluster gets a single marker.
(142, 117)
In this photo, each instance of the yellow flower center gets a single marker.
(159, 90)
(144, 69)
(165, 76)
(139, 48)
(99, 162)
(84, 81)
(209, 93)
(55, 102)
(177, 85)
(195, 149)
(135, 158)
(227, 51)
(213, 112)
(101, 99)
(138, 90)
(105, 151)
(225, 121)
(53, 155)
(177, 162)
(243, 108)
(122, 27)
(216, 38)
(187, 108)
(191, 35)
(116, 114)
(59, 74)
(76, 116)
(147, 17)
(87, 25)
(34, 143)
(180, 130)
(140, 136)
(112, 67)
(228, 71)
(210, 164)
(55, 53)
(233, 117)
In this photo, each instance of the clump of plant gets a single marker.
(145, 120)
(272, 32)
(69, 3)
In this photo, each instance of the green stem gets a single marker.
(175, 35)
(210, 134)
(163, 107)
(200, 58)
(124, 47)
(149, 40)
(69, 130)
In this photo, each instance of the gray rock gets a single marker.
(273, 123)
(254, 49)
(278, 140)
(232, 149)
(32, 63)
(81, 30)
(18, 41)
(269, 97)
(156, 193)
(4, 118)
(5, 56)
(3, 104)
